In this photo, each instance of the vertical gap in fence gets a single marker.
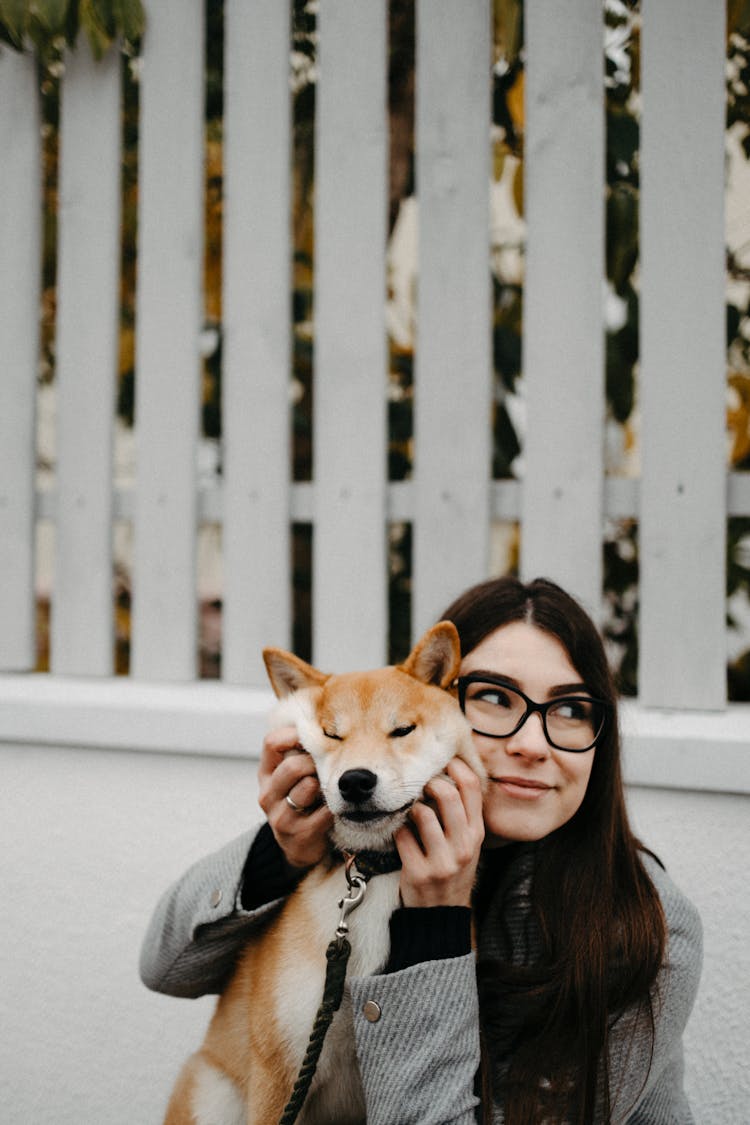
(400, 590)
(20, 253)
(87, 339)
(401, 266)
(507, 253)
(737, 195)
(683, 513)
(168, 322)
(563, 332)
(124, 468)
(304, 57)
(301, 563)
(620, 627)
(349, 571)
(452, 422)
(46, 410)
(621, 452)
(209, 562)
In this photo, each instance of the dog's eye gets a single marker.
(330, 734)
(401, 732)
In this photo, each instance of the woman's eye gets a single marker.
(494, 697)
(401, 732)
(573, 710)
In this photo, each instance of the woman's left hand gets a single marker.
(440, 848)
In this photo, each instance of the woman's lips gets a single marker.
(524, 788)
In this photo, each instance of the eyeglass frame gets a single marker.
(532, 707)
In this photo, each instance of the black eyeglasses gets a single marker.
(497, 710)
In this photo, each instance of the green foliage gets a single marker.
(48, 26)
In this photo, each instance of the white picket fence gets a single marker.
(681, 500)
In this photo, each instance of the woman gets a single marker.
(588, 956)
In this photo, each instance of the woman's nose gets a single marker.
(530, 741)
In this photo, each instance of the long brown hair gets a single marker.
(600, 930)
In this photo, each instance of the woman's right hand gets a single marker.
(287, 770)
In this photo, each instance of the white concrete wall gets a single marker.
(91, 838)
(704, 841)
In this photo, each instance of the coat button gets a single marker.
(216, 897)
(371, 1011)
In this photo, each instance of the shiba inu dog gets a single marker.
(376, 738)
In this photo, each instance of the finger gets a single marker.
(305, 793)
(303, 839)
(294, 775)
(302, 823)
(424, 842)
(276, 747)
(469, 786)
(450, 824)
(303, 788)
(443, 797)
(408, 846)
(288, 769)
(433, 873)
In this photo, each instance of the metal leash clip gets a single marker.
(357, 885)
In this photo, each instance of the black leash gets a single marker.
(337, 956)
(365, 865)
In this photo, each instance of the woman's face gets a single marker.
(533, 788)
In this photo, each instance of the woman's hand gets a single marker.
(440, 848)
(286, 770)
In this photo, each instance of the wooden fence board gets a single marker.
(683, 488)
(256, 337)
(563, 333)
(169, 312)
(453, 362)
(349, 454)
(86, 363)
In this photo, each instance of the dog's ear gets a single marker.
(288, 673)
(436, 657)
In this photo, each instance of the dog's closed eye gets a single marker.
(332, 734)
(401, 732)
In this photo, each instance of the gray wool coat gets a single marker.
(418, 1062)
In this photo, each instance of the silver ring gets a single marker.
(293, 805)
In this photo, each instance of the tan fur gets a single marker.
(259, 1032)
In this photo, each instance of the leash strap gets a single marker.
(337, 956)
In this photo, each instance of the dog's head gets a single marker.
(376, 737)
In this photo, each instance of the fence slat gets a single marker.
(453, 362)
(256, 337)
(563, 334)
(20, 283)
(169, 312)
(683, 489)
(349, 542)
(86, 372)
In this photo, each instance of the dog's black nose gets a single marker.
(357, 785)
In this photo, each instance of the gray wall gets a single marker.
(91, 838)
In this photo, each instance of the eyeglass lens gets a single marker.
(569, 723)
